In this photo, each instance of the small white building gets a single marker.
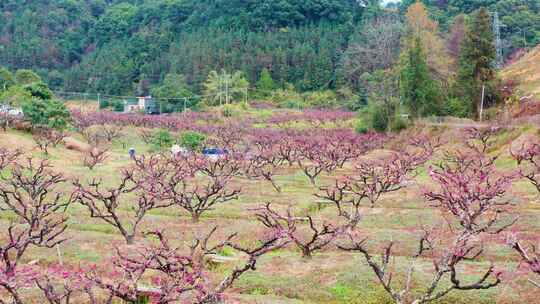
(144, 104)
(11, 111)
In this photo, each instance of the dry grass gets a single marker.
(526, 71)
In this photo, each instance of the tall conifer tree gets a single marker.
(265, 84)
(476, 61)
(419, 92)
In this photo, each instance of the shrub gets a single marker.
(39, 90)
(458, 108)
(161, 140)
(103, 104)
(192, 140)
(379, 118)
(287, 97)
(321, 99)
(46, 113)
(117, 106)
(293, 104)
(15, 96)
(360, 126)
(24, 77)
(399, 123)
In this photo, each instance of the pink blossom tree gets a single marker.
(46, 138)
(138, 183)
(166, 274)
(263, 160)
(65, 285)
(370, 180)
(469, 194)
(313, 158)
(197, 185)
(528, 160)
(95, 156)
(480, 139)
(29, 190)
(316, 237)
(8, 157)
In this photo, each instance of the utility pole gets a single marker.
(482, 101)
(185, 100)
(220, 77)
(98, 100)
(226, 88)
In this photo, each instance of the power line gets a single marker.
(498, 42)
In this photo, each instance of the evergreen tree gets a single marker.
(265, 84)
(475, 62)
(24, 77)
(46, 113)
(143, 86)
(173, 94)
(6, 79)
(419, 92)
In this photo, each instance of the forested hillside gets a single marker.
(110, 46)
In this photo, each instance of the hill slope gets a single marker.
(527, 72)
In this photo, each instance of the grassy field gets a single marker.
(331, 276)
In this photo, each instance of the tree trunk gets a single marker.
(16, 298)
(130, 239)
(306, 253)
(275, 185)
(312, 180)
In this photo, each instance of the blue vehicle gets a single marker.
(214, 153)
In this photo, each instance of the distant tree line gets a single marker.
(111, 46)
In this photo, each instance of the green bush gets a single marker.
(360, 126)
(118, 106)
(321, 99)
(103, 104)
(15, 96)
(161, 140)
(379, 118)
(287, 97)
(39, 90)
(457, 108)
(46, 113)
(293, 104)
(192, 140)
(398, 124)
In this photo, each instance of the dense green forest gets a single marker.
(111, 46)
